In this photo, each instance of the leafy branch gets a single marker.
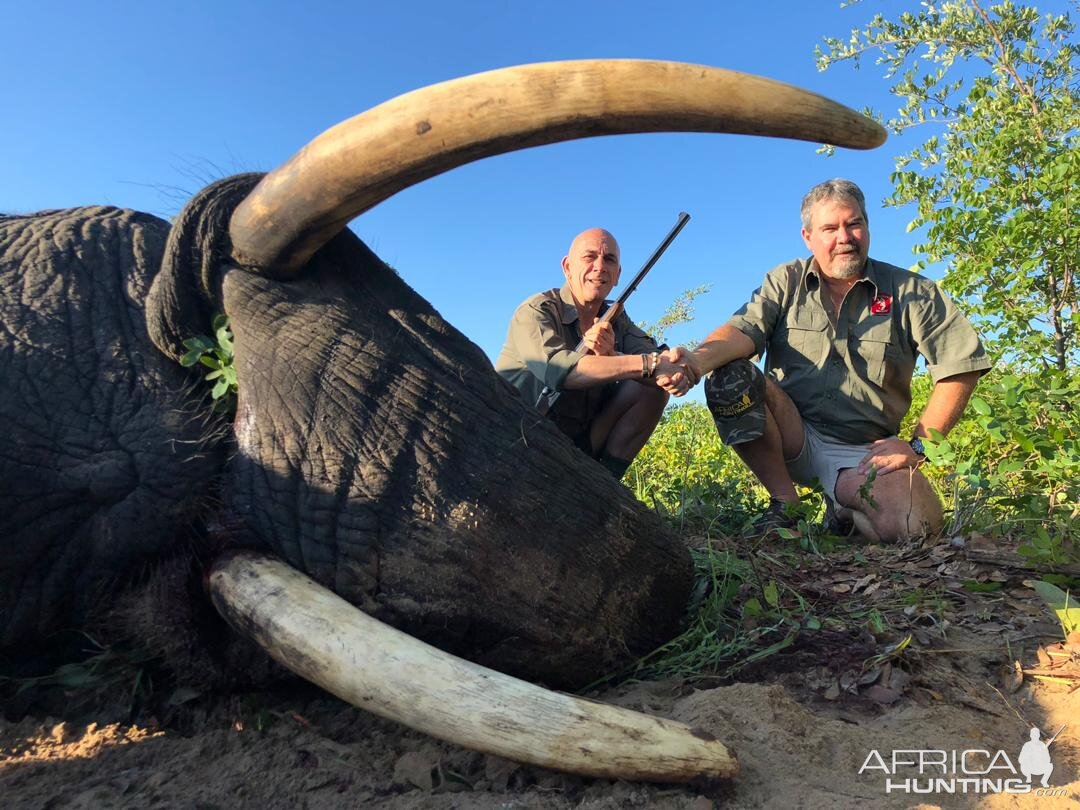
(995, 186)
(216, 353)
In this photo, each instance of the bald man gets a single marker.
(611, 395)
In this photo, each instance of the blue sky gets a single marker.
(139, 105)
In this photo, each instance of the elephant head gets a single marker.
(373, 448)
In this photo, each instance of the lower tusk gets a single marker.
(328, 641)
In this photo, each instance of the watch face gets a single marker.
(917, 446)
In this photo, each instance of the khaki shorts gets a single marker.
(823, 457)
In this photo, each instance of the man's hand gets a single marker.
(889, 455)
(689, 363)
(673, 374)
(600, 339)
(724, 344)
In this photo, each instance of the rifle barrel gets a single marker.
(1051, 740)
(654, 258)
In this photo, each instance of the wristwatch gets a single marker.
(917, 446)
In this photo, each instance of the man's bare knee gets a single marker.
(637, 402)
(630, 418)
(901, 505)
(655, 398)
(645, 409)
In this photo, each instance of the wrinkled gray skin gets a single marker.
(373, 448)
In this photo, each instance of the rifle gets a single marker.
(548, 396)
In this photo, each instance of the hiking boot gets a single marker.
(773, 519)
(837, 520)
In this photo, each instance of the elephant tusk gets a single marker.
(359, 163)
(328, 641)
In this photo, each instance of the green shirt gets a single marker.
(852, 381)
(539, 348)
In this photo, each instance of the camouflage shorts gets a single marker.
(735, 394)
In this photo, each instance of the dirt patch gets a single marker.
(803, 724)
(312, 751)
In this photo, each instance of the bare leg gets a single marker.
(782, 441)
(628, 420)
(907, 505)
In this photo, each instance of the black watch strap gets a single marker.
(917, 446)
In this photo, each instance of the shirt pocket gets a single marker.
(805, 341)
(870, 343)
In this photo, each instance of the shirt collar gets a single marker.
(871, 274)
(875, 276)
(568, 309)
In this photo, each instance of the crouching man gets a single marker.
(611, 395)
(841, 333)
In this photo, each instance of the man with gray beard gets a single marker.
(841, 333)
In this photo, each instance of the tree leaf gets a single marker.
(771, 593)
(1063, 604)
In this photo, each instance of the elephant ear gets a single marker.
(187, 290)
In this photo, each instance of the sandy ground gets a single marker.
(305, 749)
(812, 726)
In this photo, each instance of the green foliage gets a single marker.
(1065, 606)
(118, 673)
(810, 534)
(997, 183)
(216, 353)
(737, 617)
(866, 489)
(1012, 465)
(974, 586)
(681, 311)
(686, 473)
(725, 633)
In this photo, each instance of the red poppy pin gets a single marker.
(881, 305)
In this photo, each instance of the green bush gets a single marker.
(1012, 464)
(687, 474)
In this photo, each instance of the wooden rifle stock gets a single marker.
(548, 396)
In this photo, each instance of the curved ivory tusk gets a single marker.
(323, 638)
(359, 163)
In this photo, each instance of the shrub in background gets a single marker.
(687, 474)
(1012, 464)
